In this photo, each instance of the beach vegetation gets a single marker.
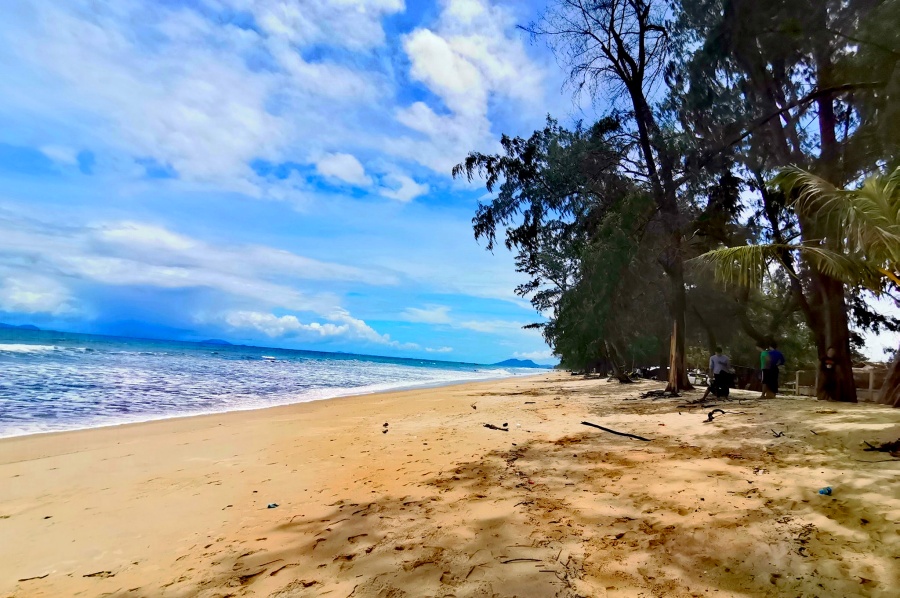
(762, 135)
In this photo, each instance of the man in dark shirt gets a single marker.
(774, 359)
(828, 376)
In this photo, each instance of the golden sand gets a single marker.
(442, 506)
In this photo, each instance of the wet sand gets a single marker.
(442, 506)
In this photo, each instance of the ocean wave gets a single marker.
(50, 388)
(22, 348)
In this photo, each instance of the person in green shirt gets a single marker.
(763, 362)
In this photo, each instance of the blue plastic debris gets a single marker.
(826, 491)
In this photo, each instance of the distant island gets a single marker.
(19, 327)
(214, 341)
(521, 363)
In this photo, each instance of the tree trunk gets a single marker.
(678, 379)
(890, 392)
(614, 360)
(832, 330)
(663, 374)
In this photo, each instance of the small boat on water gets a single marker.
(269, 358)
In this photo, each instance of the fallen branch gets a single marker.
(615, 432)
(711, 414)
(658, 394)
(493, 427)
(886, 447)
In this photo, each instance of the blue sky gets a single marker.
(271, 172)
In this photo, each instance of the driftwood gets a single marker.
(615, 432)
(493, 427)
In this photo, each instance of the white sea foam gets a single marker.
(22, 348)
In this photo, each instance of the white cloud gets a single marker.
(58, 153)
(338, 325)
(403, 188)
(493, 326)
(344, 167)
(439, 350)
(196, 94)
(352, 24)
(132, 254)
(471, 56)
(433, 314)
(32, 294)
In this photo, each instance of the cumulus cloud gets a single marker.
(338, 325)
(432, 314)
(439, 350)
(32, 294)
(206, 96)
(198, 95)
(402, 188)
(344, 167)
(470, 56)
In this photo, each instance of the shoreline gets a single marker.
(341, 395)
(440, 505)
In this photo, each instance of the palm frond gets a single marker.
(746, 265)
(862, 221)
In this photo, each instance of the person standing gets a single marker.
(763, 364)
(773, 360)
(828, 373)
(720, 370)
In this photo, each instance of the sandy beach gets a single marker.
(442, 506)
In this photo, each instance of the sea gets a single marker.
(55, 381)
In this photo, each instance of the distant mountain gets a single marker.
(20, 327)
(214, 341)
(521, 363)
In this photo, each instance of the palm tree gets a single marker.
(861, 244)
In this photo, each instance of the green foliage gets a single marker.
(724, 95)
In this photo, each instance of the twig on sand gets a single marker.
(615, 432)
(493, 427)
(37, 577)
(658, 394)
(777, 434)
(520, 561)
(711, 414)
